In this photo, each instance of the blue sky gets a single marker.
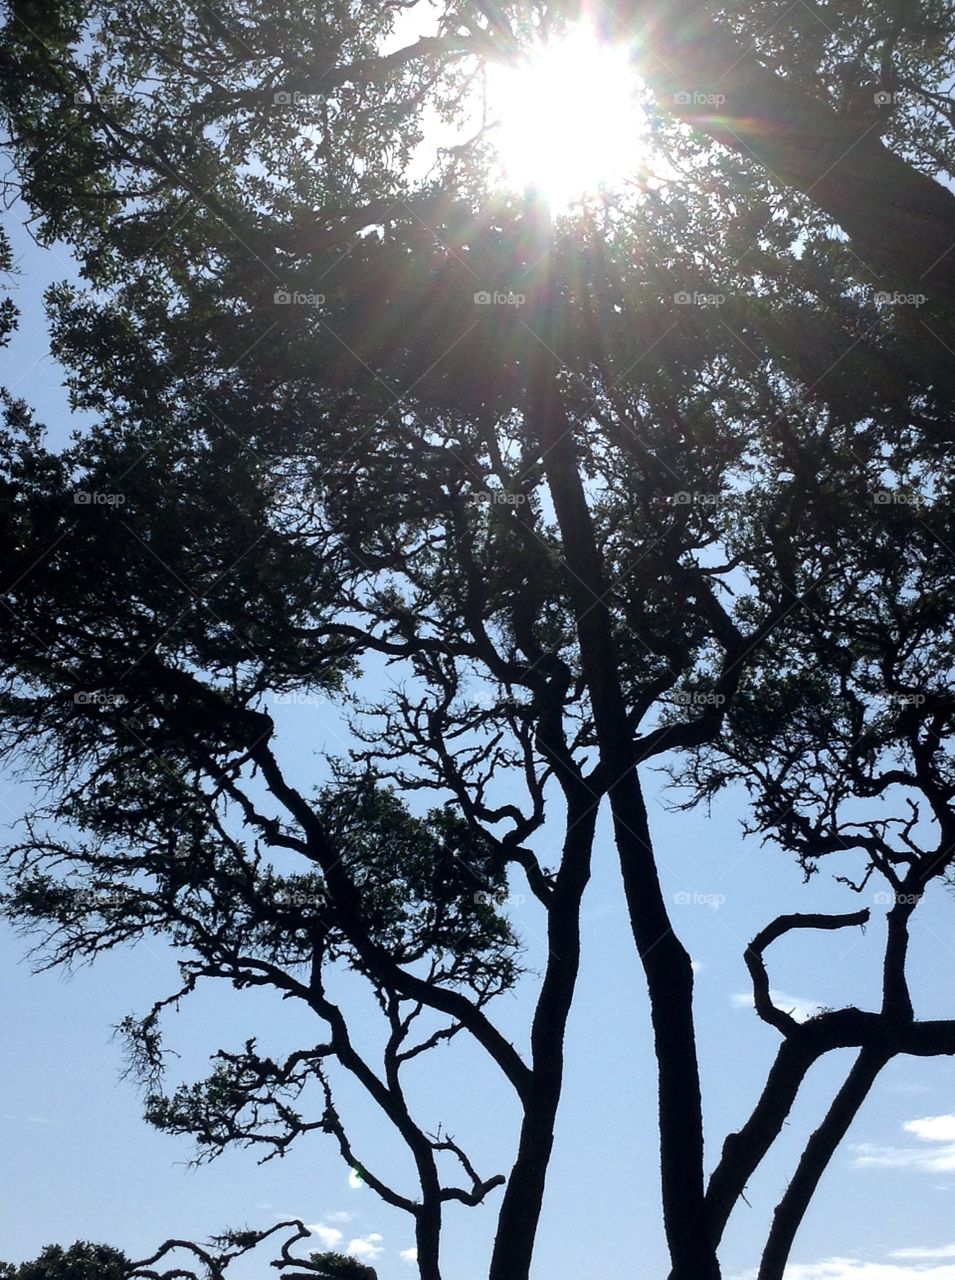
(80, 1162)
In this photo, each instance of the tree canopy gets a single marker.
(81, 1261)
(664, 479)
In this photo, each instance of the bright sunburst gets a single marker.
(568, 119)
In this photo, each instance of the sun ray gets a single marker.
(568, 119)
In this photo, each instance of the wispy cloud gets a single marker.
(366, 1248)
(409, 1255)
(945, 1251)
(329, 1236)
(937, 1156)
(799, 1008)
(933, 1128)
(854, 1269)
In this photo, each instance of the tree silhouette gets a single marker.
(81, 1261)
(581, 531)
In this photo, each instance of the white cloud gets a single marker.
(870, 1156)
(409, 1255)
(854, 1269)
(939, 1158)
(799, 1008)
(368, 1248)
(946, 1251)
(329, 1236)
(933, 1128)
(342, 1215)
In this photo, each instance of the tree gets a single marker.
(830, 720)
(336, 1266)
(82, 1261)
(810, 95)
(850, 108)
(232, 1245)
(513, 533)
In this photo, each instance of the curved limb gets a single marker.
(815, 1159)
(803, 1045)
(753, 956)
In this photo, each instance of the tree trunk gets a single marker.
(819, 1151)
(901, 222)
(670, 983)
(665, 961)
(524, 1194)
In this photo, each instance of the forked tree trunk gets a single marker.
(665, 961)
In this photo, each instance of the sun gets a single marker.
(568, 120)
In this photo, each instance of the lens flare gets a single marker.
(568, 120)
